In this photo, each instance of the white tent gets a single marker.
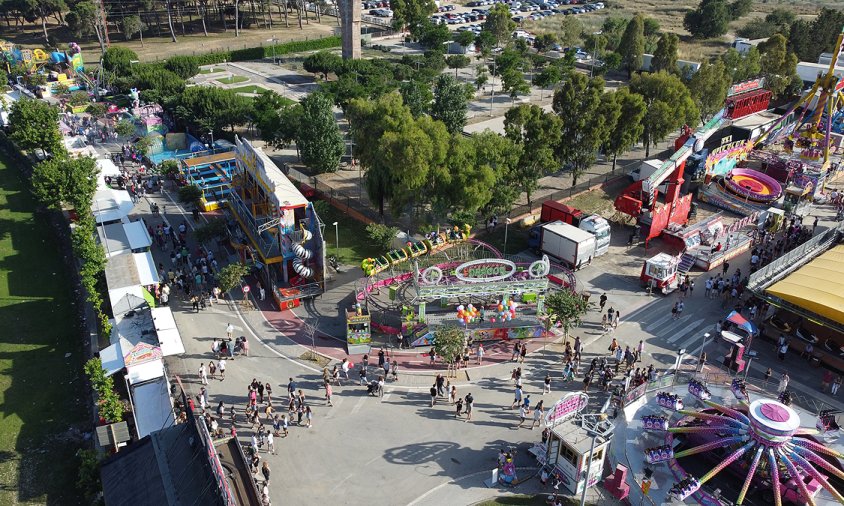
(137, 234)
(126, 298)
(111, 205)
(112, 356)
(147, 273)
(145, 371)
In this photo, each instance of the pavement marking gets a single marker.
(690, 341)
(267, 346)
(358, 405)
(386, 397)
(689, 328)
(659, 322)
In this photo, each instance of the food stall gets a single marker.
(358, 330)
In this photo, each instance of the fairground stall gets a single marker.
(279, 227)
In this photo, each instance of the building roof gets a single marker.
(209, 159)
(119, 237)
(256, 162)
(153, 406)
(816, 286)
(569, 231)
(168, 467)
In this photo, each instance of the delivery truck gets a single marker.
(555, 211)
(568, 244)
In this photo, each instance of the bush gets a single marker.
(190, 194)
(125, 128)
(230, 276)
(257, 53)
(119, 59)
(182, 66)
(168, 167)
(78, 97)
(382, 235)
(211, 231)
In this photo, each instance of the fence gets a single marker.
(792, 260)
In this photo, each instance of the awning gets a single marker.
(743, 323)
(147, 273)
(169, 337)
(153, 408)
(129, 301)
(145, 372)
(112, 356)
(111, 205)
(137, 234)
(816, 286)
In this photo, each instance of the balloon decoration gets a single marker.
(505, 311)
(467, 314)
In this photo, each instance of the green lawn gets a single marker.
(355, 244)
(253, 88)
(42, 401)
(211, 70)
(233, 79)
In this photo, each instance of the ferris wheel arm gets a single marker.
(750, 473)
(795, 473)
(805, 98)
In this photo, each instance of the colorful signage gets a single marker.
(737, 151)
(485, 271)
(746, 86)
(567, 407)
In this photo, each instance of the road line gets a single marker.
(267, 346)
(358, 406)
(659, 322)
(690, 341)
(677, 323)
(689, 328)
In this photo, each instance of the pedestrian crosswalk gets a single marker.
(661, 329)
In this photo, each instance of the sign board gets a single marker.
(566, 408)
(485, 270)
(113, 434)
(246, 288)
(746, 86)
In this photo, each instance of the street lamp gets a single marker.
(597, 427)
(506, 225)
(273, 40)
(211, 133)
(337, 239)
(702, 346)
(594, 51)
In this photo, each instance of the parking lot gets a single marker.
(477, 10)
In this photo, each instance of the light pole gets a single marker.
(597, 427)
(594, 51)
(273, 40)
(506, 225)
(211, 133)
(337, 239)
(492, 88)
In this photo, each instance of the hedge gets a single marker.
(257, 53)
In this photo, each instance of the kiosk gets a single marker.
(358, 330)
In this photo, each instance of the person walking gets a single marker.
(381, 358)
(782, 351)
(480, 353)
(309, 416)
(203, 377)
(265, 470)
(517, 397)
(616, 317)
(768, 375)
(538, 411)
(212, 369)
(268, 389)
(640, 350)
(546, 388)
(516, 349)
(452, 395)
(602, 301)
(604, 321)
(221, 366)
(459, 408)
(270, 443)
(523, 353)
(229, 330)
(328, 392)
(470, 401)
(394, 370)
(345, 368)
(523, 413)
(433, 392)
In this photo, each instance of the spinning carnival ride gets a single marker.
(760, 442)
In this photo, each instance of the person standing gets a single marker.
(517, 397)
(260, 388)
(836, 384)
(523, 353)
(459, 408)
(546, 388)
(768, 374)
(381, 358)
(516, 349)
(262, 292)
(783, 386)
(229, 330)
(270, 443)
(268, 389)
(328, 392)
(480, 353)
(782, 351)
(433, 392)
(640, 350)
(452, 395)
(616, 317)
(538, 411)
(604, 322)
(602, 301)
(309, 416)
(203, 377)
(265, 470)
(394, 370)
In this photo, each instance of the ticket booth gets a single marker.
(568, 453)
(358, 330)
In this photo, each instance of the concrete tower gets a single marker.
(350, 19)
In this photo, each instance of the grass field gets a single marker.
(211, 70)
(232, 79)
(355, 244)
(251, 89)
(42, 401)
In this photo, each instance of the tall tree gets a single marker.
(410, 13)
(450, 103)
(632, 46)
(322, 62)
(571, 31)
(710, 19)
(665, 57)
(61, 181)
(627, 130)
(501, 155)
(319, 139)
(34, 124)
(514, 83)
(810, 39)
(669, 105)
(548, 77)
(583, 129)
(84, 19)
(417, 96)
(709, 86)
(566, 308)
(778, 64)
(742, 67)
(537, 133)
(499, 23)
(456, 62)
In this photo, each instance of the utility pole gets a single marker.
(104, 21)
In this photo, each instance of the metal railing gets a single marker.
(792, 260)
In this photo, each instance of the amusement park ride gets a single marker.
(791, 161)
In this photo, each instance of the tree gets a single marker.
(571, 31)
(514, 83)
(740, 8)
(665, 57)
(545, 42)
(449, 342)
(34, 124)
(778, 64)
(97, 109)
(578, 104)
(809, 39)
(417, 96)
(319, 138)
(449, 103)
(481, 76)
(84, 20)
(322, 62)
(382, 235)
(119, 60)
(612, 30)
(125, 128)
(465, 38)
(627, 130)
(411, 12)
(484, 42)
(650, 27)
(742, 67)
(669, 105)
(231, 275)
(537, 133)
(502, 156)
(566, 308)
(157, 84)
(207, 108)
(548, 77)
(60, 181)
(432, 36)
(710, 19)
(183, 66)
(456, 62)
(632, 46)
(133, 25)
(499, 23)
(709, 86)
